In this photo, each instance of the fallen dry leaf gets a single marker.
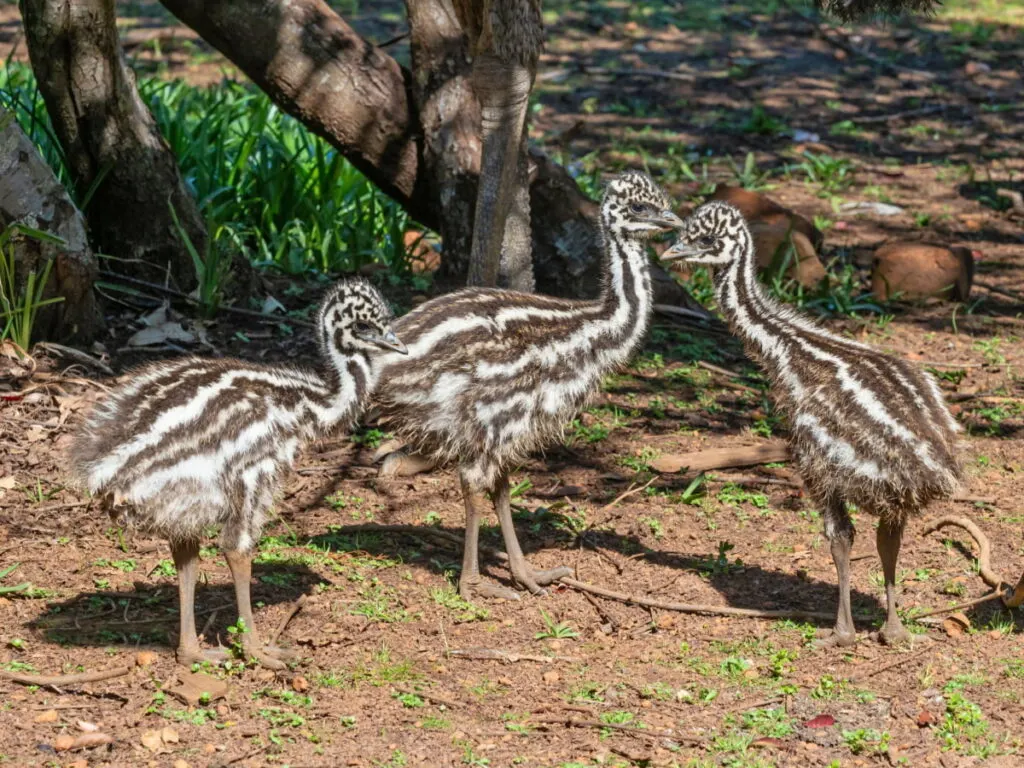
(956, 624)
(63, 743)
(152, 741)
(300, 684)
(179, 763)
(169, 735)
(145, 658)
(821, 721)
(8, 483)
(90, 740)
(194, 687)
(49, 716)
(87, 727)
(925, 718)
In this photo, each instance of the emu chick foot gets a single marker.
(189, 654)
(476, 587)
(836, 639)
(534, 580)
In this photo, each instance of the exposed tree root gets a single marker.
(706, 610)
(1011, 599)
(722, 458)
(63, 681)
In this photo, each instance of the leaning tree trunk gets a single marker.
(30, 194)
(353, 94)
(110, 140)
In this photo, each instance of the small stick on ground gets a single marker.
(510, 657)
(646, 733)
(77, 355)
(436, 698)
(706, 610)
(960, 606)
(64, 681)
(886, 667)
(729, 374)
(296, 607)
(631, 491)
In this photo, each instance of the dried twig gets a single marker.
(75, 354)
(483, 654)
(114, 276)
(886, 667)
(1001, 291)
(646, 733)
(706, 610)
(296, 607)
(899, 115)
(960, 606)
(64, 681)
(434, 697)
(631, 491)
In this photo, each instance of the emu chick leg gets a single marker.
(186, 562)
(240, 564)
(471, 583)
(889, 538)
(521, 569)
(840, 532)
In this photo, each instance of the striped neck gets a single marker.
(626, 296)
(348, 378)
(740, 296)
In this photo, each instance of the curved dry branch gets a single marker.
(65, 680)
(991, 578)
(705, 610)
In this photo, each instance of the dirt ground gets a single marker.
(395, 669)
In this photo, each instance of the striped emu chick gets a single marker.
(193, 443)
(492, 375)
(865, 428)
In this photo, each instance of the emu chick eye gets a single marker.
(363, 328)
(706, 241)
(636, 207)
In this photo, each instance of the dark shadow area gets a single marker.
(149, 614)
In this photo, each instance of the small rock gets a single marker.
(956, 624)
(972, 68)
(179, 763)
(168, 735)
(64, 742)
(49, 716)
(209, 749)
(300, 684)
(551, 677)
(918, 270)
(925, 718)
(78, 764)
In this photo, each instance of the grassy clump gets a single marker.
(267, 187)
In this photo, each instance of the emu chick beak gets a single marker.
(388, 340)
(680, 250)
(668, 220)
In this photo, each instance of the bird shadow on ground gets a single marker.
(148, 615)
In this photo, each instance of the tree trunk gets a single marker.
(449, 120)
(111, 141)
(353, 94)
(30, 194)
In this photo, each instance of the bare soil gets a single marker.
(388, 675)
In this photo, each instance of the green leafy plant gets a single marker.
(554, 629)
(20, 301)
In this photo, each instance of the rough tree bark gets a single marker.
(30, 194)
(110, 139)
(315, 67)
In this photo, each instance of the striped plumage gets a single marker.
(193, 443)
(866, 428)
(492, 375)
